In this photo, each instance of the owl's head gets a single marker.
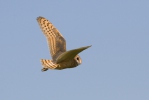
(78, 59)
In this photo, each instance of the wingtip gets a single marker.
(86, 47)
(89, 46)
(39, 17)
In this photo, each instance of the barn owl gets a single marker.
(61, 59)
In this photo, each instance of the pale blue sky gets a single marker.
(116, 67)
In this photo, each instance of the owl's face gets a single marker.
(78, 59)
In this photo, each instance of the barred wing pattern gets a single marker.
(61, 58)
(48, 64)
(56, 42)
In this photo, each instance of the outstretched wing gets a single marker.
(56, 42)
(70, 54)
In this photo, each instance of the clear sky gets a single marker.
(116, 67)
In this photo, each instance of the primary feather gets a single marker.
(56, 42)
(61, 58)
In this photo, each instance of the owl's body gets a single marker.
(61, 58)
(62, 65)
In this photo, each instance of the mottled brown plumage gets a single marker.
(61, 58)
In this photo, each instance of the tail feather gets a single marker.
(48, 64)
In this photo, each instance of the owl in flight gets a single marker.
(61, 58)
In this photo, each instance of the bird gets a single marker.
(61, 59)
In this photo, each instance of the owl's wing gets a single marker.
(56, 42)
(70, 54)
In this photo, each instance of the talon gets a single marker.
(44, 69)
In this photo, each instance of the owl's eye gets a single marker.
(77, 58)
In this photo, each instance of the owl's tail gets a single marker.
(48, 64)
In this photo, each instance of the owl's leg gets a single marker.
(44, 69)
